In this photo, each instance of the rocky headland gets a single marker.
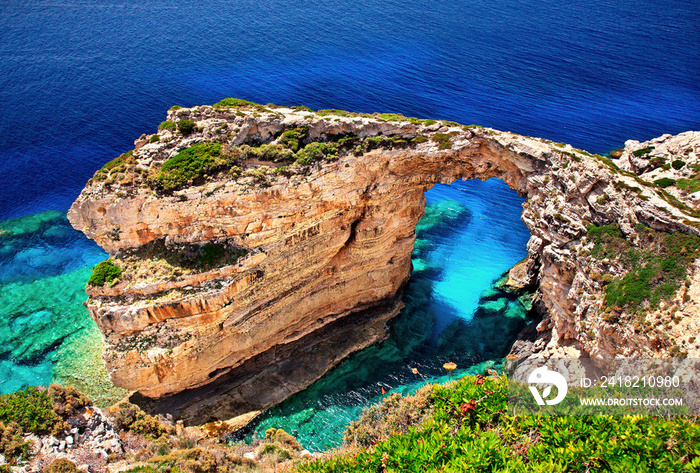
(253, 247)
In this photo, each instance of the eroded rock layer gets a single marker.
(328, 237)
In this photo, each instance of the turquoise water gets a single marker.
(46, 333)
(470, 235)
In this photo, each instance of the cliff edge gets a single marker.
(248, 242)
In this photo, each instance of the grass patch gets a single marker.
(665, 182)
(657, 266)
(167, 125)
(643, 151)
(332, 111)
(190, 165)
(104, 272)
(233, 103)
(690, 185)
(117, 166)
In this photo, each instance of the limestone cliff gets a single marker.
(297, 220)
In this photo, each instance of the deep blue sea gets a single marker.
(82, 79)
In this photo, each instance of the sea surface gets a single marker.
(81, 80)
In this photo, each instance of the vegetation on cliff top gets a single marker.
(196, 164)
(190, 164)
(389, 117)
(469, 429)
(116, 166)
(201, 161)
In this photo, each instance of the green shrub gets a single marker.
(276, 153)
(191, 460)
(174, 107)
(61, 465)
(659, 161)
(12, 445)
(104, 272)
(150, 469)
(31, 409)
(317, 151)
(67, 401)
(154, 139)
(190, 164)
(130, 417)
(440, 137)
(233, 103)
(643, 151)
(167, 125)
(186, 127)
(665, 182)
(292, 138)
(282, 438)
(420, 139)
(678, 163)
(216, 255)
(443, 139)
(395, 414)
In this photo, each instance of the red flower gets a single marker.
(479, 379)
(467, 406)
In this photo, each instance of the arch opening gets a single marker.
(458, 308)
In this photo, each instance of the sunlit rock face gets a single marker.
(328, 241)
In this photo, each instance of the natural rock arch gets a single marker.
(327, 244)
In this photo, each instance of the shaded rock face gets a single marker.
(328, 243)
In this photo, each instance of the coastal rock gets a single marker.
(671, 161)
(328, 243)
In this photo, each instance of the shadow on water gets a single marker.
(429, 331)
